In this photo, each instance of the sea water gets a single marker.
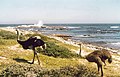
(107, 35)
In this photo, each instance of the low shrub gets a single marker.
(7, 42)
(7, 35)
(57, 51)
(37, 71)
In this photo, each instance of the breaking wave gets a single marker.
(114, 27)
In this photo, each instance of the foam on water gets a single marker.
(73, 27)
(118, 43)
(114, 27)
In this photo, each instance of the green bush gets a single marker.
(37, 71)
(57, 51)
(7, 42)
(7, 35)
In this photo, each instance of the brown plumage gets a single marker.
(98, 57)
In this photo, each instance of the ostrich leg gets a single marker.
(80, 50)
(103, 62)
(99, 64)
(33, 57)
(101, 71)
(98, 68)
(35, 53)
(38, 59)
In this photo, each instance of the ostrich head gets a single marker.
(110, 60)
(17, 34)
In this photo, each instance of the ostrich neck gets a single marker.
(18, 35)
(21, 42)
(18, 38)
(80, 47)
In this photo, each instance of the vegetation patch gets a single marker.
(21, 70)
(58, 51)
(7, 35)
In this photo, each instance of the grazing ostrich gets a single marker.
(98, 57)
(31, 43)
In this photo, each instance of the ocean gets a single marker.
(106, 35)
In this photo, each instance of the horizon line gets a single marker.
(63, 23)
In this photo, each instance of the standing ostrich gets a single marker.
(98, 57)
(31, 43)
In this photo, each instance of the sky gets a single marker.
(59, 11)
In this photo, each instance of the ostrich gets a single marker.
(98, 57)
(31, 43)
